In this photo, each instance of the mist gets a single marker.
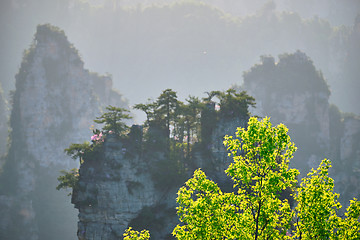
(190, 46)
(127, 52)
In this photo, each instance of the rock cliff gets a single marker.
(293, 92)
(127, 186)
(3, 125)
(54, 103)
(112, 191)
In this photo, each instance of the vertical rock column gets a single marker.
(112, 190)
(54, 104)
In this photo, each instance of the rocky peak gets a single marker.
(54, 104)
(293, 92)
(112, 190)
(132, 180)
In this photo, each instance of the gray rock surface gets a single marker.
(54, 104)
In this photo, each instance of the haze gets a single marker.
(285, 53)
(200, 47)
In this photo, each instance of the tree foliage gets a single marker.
(114, 120)
(189, 122)
(192, 121)
(132, 234)
(317, 208)
(78, 150)
(148, 109)
(69, 179)
(177, 128)
(113, 123)
(317, 205)
(350, 225)
(167, 104)
(260, 174)
(233, 104)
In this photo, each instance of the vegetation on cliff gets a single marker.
(293, 72)
(173, 127)
(191, 123)
(113, 121)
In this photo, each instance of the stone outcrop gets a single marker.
(112, 190)
(54, 104)
(293, 92)
(3, 124)
(131, 187)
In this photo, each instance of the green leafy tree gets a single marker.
(114, 120)
(234, 104)
(149, 109)
(260, 174)
(162, 114)
(193, 111)
(167, 106)
(204, 209)
(189, 121)
(350, 225)
(69, 179)
(317, 205)
(78, 150)
(82, 151)
(132, 234)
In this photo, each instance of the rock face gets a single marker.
(121, 188)
(112, 191)
(54, 104)
(3, 124)
(125, 187)
(293, 92)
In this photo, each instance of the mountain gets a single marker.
(54, 103)
(292, 91)
(191, 46)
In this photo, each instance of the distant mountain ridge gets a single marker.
(292, 91)
(191, 45)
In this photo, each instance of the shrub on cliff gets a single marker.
(69, 179)
(114, 120)
(113, 124)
